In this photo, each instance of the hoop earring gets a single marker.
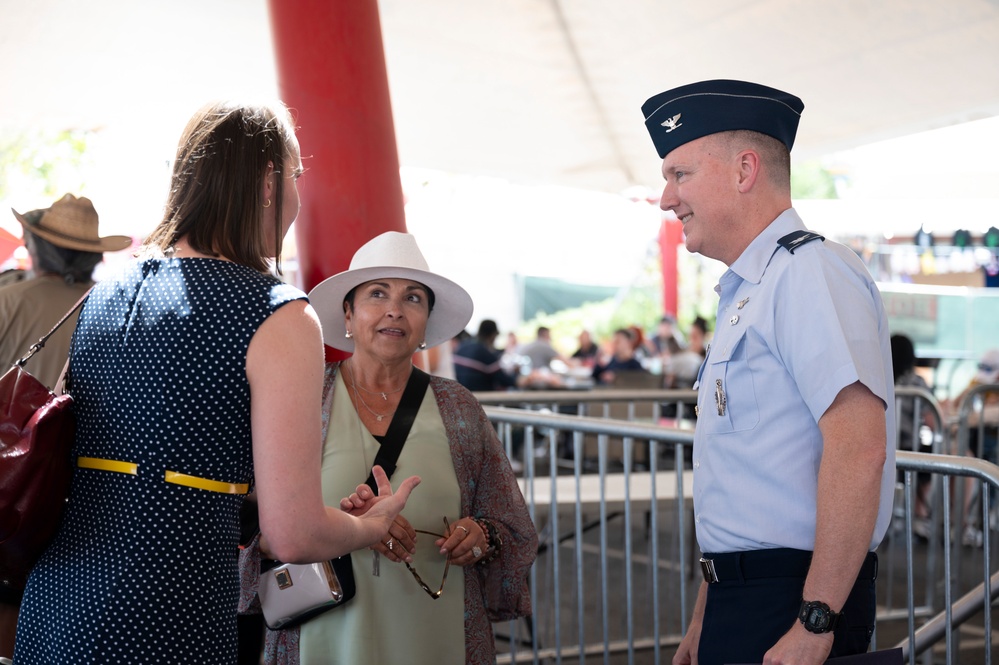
(268, 204)
(347, 335)
(423, 345)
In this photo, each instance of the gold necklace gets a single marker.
(353, 384)
(383, 393)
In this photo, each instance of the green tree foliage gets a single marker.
(639, 303)
(37, 166)
(811, 180)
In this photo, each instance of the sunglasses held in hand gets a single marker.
(447, 565)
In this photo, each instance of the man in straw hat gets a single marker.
(793, 450)
(64, 247)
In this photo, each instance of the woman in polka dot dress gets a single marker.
(190, 368)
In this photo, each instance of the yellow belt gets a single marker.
(206, 484)
(170, 476)
(107, 465)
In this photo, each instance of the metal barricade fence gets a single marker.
(616, 573)
(658, 406)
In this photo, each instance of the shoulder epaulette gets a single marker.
(796, 239)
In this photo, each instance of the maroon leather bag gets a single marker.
(37, 428)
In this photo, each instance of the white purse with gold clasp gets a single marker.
(293, 593)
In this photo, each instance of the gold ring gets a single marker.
(458, 526)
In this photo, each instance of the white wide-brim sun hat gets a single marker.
(390, 255)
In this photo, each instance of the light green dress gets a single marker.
(392, 619)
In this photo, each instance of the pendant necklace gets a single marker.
(384, 393)
(353, 383)
(361, 429)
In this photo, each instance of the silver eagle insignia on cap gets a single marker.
(672, 123)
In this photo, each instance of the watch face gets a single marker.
(817, 618)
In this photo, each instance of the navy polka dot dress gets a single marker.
(144, 570)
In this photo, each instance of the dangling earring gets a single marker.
(347, 335)
(268, 204)
(423, 345)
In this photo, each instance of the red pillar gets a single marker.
(331, 72)
(670, 239)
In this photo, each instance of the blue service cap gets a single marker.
(691, 111)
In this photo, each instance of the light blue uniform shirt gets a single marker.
(792, 331)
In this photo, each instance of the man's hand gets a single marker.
(799, 647)
(686, 653)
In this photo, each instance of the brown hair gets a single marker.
(215, 191)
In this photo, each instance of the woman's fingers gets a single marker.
(466, 542)
(359, 502)
(392, 550)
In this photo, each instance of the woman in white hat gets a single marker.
(383, 309)
(191, 368)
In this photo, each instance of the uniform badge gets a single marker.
(720, 397)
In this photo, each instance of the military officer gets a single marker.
(793, 465)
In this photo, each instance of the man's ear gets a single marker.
(749, 165)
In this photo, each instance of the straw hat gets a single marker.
(72, 223)
(390, 255)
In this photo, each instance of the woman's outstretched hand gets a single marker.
(379, 510)
(385, 504)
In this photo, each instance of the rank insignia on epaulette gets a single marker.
(796, 239)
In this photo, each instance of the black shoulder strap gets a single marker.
(796, 239)
(402, 422)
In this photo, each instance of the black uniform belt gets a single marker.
(759, 564)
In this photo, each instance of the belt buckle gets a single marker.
(708, 570)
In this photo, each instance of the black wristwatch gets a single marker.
(816, 617)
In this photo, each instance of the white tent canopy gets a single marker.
(540, 91)
(551, 91)
(536, 92)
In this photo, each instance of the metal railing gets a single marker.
(615, 571)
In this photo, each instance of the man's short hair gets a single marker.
(773, 153)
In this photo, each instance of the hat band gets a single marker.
(64, 236)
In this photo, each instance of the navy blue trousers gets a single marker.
(744, 618)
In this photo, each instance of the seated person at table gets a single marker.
(477, 362)
(622, 359)
(683, 366)
(588, 351)
(665, 342)
(540, 352)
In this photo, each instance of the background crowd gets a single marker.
(671, 355)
